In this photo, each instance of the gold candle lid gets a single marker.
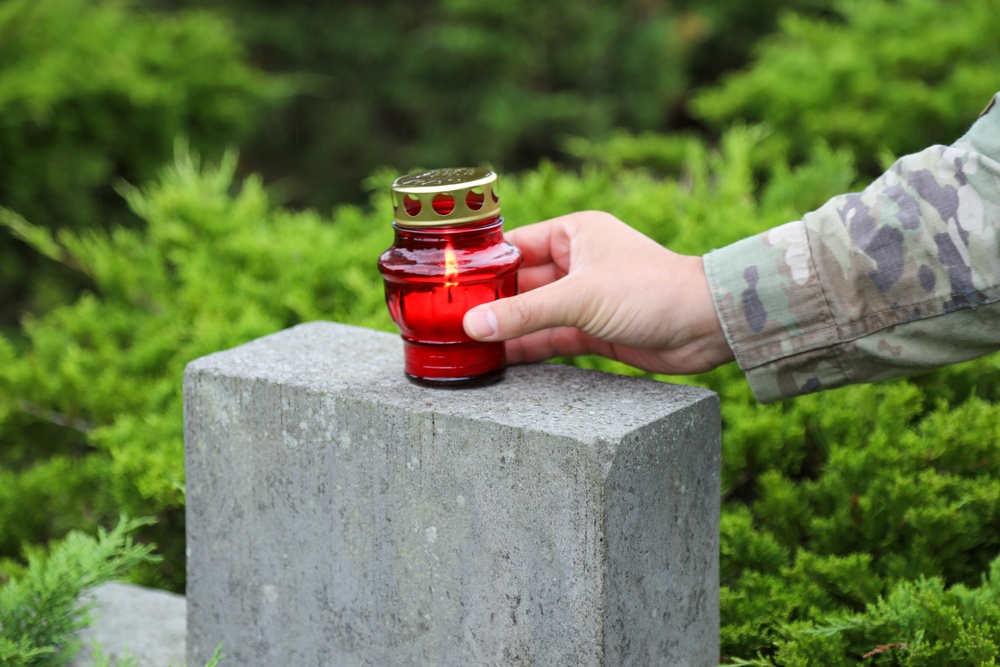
(441, 197)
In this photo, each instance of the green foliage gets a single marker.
(95, 91)
(100, 375)
(101, 89)
(445, 82)
(834, 500)
(919, 623)
(40, 608)
(888, 76)
(728, 30)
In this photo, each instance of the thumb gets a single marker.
(550, 306)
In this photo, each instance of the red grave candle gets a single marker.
(449, 255)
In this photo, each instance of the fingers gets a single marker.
(547, 247)
(544, 242)
(548, 343)
(553, 292)
(552, 305)
(534, 242)
(538, 276)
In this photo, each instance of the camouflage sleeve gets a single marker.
(895, 280)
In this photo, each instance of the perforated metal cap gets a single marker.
(441, 197)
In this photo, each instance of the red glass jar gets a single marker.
(449, 255)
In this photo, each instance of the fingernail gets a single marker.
(481, 324)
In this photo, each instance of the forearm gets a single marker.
(898, 279)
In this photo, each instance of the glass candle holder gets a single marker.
(449, 255)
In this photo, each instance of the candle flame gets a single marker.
(450, 267)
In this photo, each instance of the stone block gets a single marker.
(135, 623)
(338, 515)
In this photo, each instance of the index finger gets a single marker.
(536, 241)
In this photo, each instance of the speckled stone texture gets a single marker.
(133, 622)
(338, 515)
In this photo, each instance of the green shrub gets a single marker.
(100, 376)
(919, 623)
(91, 92)
(887, 78)
(728, 30)
(40, 600)
(453, 82)
(45, 599)
(878, 473)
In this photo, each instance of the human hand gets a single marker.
(590, 284)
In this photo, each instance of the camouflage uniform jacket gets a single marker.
(900, 278)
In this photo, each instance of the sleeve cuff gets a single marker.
(770, 302)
